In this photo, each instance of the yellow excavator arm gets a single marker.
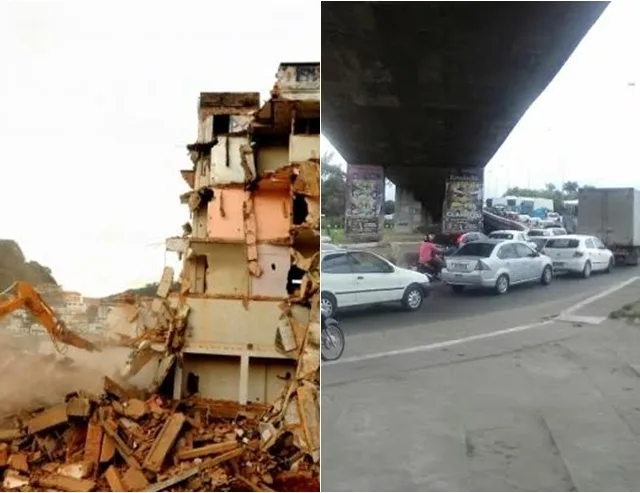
(25, 296)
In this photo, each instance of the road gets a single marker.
(485, 393)
(444, 305)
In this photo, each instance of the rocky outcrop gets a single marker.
(15, 267)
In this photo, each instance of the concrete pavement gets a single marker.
(510, 400)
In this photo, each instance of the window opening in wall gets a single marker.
(206, 196)
(300, 209)
(221, 124)
(205, 261)
(294, 279)
(193, 383)
(308, 126)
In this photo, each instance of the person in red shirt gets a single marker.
(428, 254)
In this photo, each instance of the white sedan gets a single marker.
(579, 253)
(355, 278)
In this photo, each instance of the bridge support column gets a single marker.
(409, 213)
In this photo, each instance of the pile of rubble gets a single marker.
(121, 442)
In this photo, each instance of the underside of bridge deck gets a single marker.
(424, 87)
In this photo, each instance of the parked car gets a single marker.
(497, 265)
(540, 242)
(532, 233)
(579, 253)
(356, 277)
(556, 231)
(512, 234)
(469, 237)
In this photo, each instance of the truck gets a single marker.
(613, 215)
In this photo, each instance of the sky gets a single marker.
(585, 126)
(97, 104)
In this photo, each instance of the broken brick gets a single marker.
(49, 418)
(215, 448)
(164, 441)
(93, 442)
(66, 484)
(113, 478)
(6, 435)
(134, 480)
(18, 461)
(135, 408)
(79, 407)
(4, 454)
(108, 449)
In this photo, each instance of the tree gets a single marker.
(550, 187)
(334, 189)
(570, 187)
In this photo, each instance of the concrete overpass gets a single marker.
(422, 88)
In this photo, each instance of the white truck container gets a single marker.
(613, 215)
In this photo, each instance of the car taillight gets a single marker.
(578, 254)
(459, 239)
(482, 266)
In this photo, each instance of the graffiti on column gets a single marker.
(364, 214)
(463, 202)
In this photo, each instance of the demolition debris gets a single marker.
(230, 401)
(122, 442)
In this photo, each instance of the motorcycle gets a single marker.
(428, 270)
(432, 273)
(332, 338)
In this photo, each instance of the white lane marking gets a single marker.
(598, 296)
(437, 345)
(565, 316)
(579, 319)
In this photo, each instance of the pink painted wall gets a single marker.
(272, 209)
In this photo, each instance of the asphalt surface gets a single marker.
(484, 393)
(444, 305)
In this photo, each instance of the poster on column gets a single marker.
(364, 215)
(462, 210)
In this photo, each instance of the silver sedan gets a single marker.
(496, 265)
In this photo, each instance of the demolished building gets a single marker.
(228, 367)
(254, 233)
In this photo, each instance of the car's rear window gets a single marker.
(563, 243)
(476, 249)
(536, 232)
(501, 236)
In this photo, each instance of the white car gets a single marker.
(579, 253)
(356, 277)
(512, 234)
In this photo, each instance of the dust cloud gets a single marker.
(33, 374)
